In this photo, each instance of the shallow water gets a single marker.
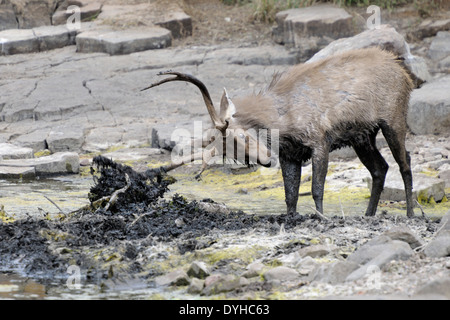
(28, 197)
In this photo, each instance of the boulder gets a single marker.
(429, 28)
(7, 17)
(316, 251)
(219, 283)
(376, 254)
(178, 22)
(425, 188)
(385, 37)
(15, 41)
(405, 234)
(440, 246)
(334, 273)
(174, 278)
(198, 269)
(429, 108)
(65, 138)
(440, 47)
(281, 274)
(17, 172)
(10, 151)
(312, 28)
(58, 163)
(53, 37)
(439, 287)
(88, 11)
(34, 13)
(123, 41)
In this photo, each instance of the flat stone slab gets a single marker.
(10, 151)
(425, 188)
(295, 25)
(123, 41)
(17, 172)
(429, 108)
(16, 41)
(58, 163)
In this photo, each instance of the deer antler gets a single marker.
(218, 123)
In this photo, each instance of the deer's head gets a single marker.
(241, 145)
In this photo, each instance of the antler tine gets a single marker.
(218, 123)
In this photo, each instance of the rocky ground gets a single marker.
(59, 108)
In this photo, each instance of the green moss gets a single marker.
(42, 153)
(3, 217)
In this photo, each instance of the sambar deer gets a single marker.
(342, 100)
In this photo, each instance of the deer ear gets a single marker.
(227, 107)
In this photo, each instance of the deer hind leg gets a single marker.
(291, 172)
(371, 158)
(396, 141)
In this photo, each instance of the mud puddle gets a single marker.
(131, 233)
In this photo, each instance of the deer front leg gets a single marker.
(319, 173)
(292, 172)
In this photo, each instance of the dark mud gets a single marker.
(137, 219)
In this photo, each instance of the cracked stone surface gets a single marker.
(98, 96)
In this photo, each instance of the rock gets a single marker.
(66, 138)
(198, 269)
(254, 269)
(174, 278)
(132, 154)
(178, 22)
(429, 108)
(196, 286)
(281, 274)
(17, 172)
(440, 47)
(58, 163)
(377, 253)
(53, 37)
(124, 41)
(436, 287)
(406, 235)
(34, 13)
(439, 247)
(425, 188)
(335, 272)
(35, 140)
(88, 11)
(429, 28)
(312, 28)
(220, 283)
(316, 251)
(16, 41)
(9, 151)
(7, 17)
(387, 38)
(445, 176)
(95, 140)
(306, 266)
